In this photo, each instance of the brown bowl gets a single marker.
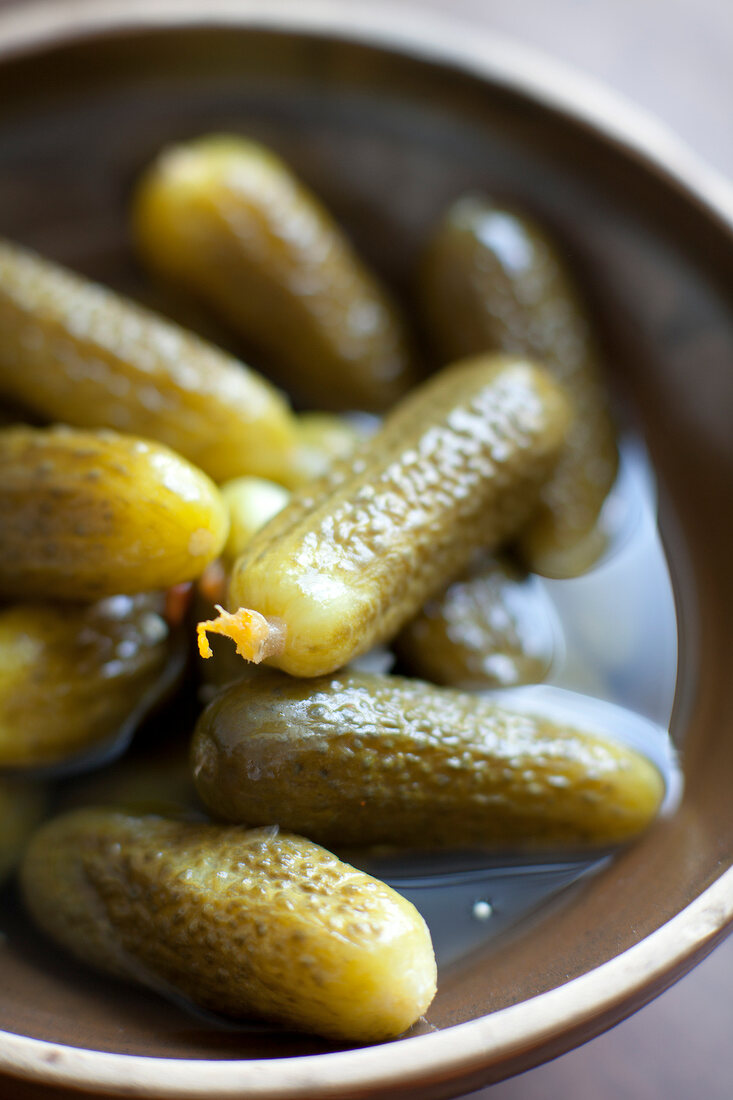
(388, 119)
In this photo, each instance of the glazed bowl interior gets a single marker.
(387, 137)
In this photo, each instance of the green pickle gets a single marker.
(251, 502)
(457, 466)
(77, 353)
(321, 439)
(93, 514)
(22, 805)
(176, 480)
(492, 279)
(360, 759)
(224, 217)
(242, 922)
(492, 627)
(77, 678)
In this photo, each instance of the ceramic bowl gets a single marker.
(387, 119)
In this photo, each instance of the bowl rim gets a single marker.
(450, 1055)
(584, 1006)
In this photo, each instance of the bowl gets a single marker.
(388, 118)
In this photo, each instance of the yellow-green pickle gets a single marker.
(491, 627)
(92, 514)
(320, 440)
(78, 353)
(367, 759)
(74, 678)
(164, 483)
(225, 217)
(493, 279)
(22, 805)
(243, 922)
(251, 502)
(456, 467)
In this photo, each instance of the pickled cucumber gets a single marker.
(79, 354)
(247, 923)
(492, 627)
(365, 759)
(226, 218)
(320, 440)
(493, 279)
(77, 677)
(457, 466)
(21, 809)
(92, 514)
(251, 502)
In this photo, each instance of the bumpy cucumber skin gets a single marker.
(72, 677)
(79, 354)
(492, 279)
(225, 218)
(93, 514)
(490, 628)
(456, 467)
(243, 922)
(365, 759)
(21, 809)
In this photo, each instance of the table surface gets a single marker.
(673, 58)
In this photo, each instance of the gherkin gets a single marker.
(225, 218)
(77, 678)
(247, 923)
(491, 627)
(77, 353)
(493, 279)
(457, 467)
(92, 514)
(360, 759)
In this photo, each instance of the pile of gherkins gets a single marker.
(151, 480)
